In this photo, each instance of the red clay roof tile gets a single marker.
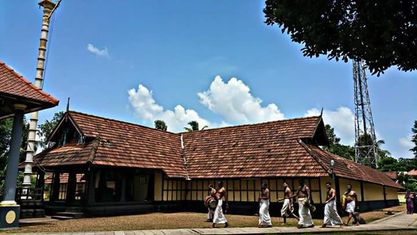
(15, 84)
(271, 149)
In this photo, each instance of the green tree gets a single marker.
(382, 33)
(335, 147)
(46, 128)
(388, 163)
(160, 125)
(414, 139)
(194, 126)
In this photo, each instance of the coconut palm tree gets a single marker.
(194, 126)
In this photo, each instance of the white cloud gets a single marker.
(405, 142)
(147, 109)
(234, 102)
(96, 51)
(342, 120)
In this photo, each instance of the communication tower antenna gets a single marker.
(365, 139)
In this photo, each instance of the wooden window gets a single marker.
(62, 191)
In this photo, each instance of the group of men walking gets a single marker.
(304, 200)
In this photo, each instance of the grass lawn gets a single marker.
(167, 221)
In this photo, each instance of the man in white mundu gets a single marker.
(304, 200)
(221, 196)
(264, 217)
(287, 207)
(350, 198)
(331, 217)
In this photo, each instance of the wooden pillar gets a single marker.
(123, 189)
(55, 186)
(90, 184)
(72, 184)
(337, 187)
(40, 183)
(362, 193)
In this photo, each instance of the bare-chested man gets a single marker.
(264, 217)
(304, 199)
(287, 206)
(210, 214)
(331, 217)
(350, 201)
(221, 196)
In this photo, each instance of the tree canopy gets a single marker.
(336, 147)
(46, 128)
(194, 126)
(382, 33)
(160, 125)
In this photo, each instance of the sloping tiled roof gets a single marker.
(286, 148)
(348, 169)
(392, 174)
(259, 150)
(413, 172)
(120, 144)
(14, 84)
(72, 154)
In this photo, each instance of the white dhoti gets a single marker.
(331, 217)
(264, 218)
(218, 217)
(287, 209)
(350, 207)
(304, 213)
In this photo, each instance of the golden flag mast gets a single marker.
(48, 9)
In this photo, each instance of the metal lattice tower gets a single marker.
(365, 139)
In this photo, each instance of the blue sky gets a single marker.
(144, 60)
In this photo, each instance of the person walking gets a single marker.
(212, 193)
(409, 200)
(221, 196)
(264, 217)
(304, 201)
(287, 206)
(331, 217)
(350, 199)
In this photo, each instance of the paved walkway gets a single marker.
(400, 221)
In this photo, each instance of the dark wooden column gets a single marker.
(55, 186)
(337, 187)
(123, 188)
(72, 184)
(90, 184)
(362, 193)
(40, 183)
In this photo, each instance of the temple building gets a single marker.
(106, 167)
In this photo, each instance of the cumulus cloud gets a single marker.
(405, 142)
(98, 52)
(342, 120)
(234, 102)
(147, 109)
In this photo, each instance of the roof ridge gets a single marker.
(362, 168)
(95, 145)
(27, 82)
(251, 124)
(120, 121)
(312, 154)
